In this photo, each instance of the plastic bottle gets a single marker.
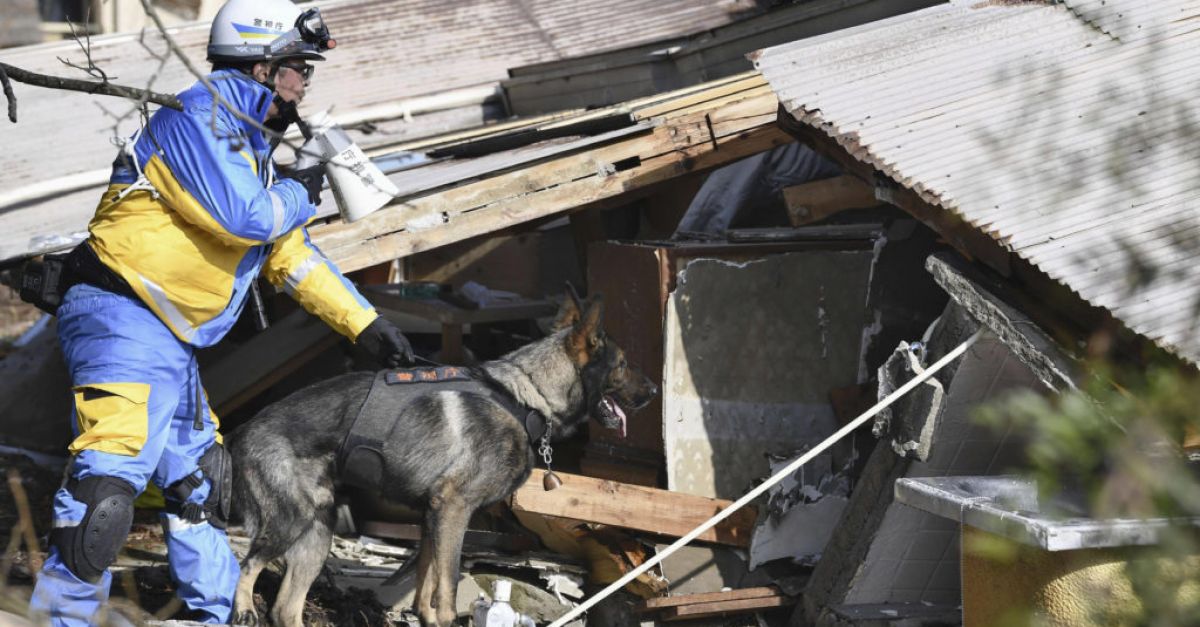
(498, 613)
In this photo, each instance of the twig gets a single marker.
(92, 69)
(88, 87)
(25, 521)
(9, 95)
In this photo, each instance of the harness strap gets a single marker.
(360, 458)
(534, 422)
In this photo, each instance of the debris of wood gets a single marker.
(474, 537)
(710, 604)
(609, 552)
(818, 200)
(725, 608)
(653, 605)
(651, 510)
(674, 142)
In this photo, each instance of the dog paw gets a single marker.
(247, 617)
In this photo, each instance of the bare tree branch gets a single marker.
(92, 69)
(187, 63)
(8, 95)
(85, 86)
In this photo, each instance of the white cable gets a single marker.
(776, 478)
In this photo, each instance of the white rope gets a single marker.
(779, 476)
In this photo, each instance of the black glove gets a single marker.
(287, 114)
(312, 178)
(382, 339)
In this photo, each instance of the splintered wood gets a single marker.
(640, 508)
(693, 131)
(713, 604)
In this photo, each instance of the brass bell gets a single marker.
(550, 481)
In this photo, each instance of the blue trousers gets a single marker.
(140, 415)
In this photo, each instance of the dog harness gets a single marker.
(360, 459)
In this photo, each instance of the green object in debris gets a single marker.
(420, 289)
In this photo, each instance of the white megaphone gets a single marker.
(359, 186)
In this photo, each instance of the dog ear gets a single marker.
(592, 322)
(573, 294)
(585, 335)
(569, 312)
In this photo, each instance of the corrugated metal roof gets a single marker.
(1070, 132)
(390, 50)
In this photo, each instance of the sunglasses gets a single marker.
(305, 70)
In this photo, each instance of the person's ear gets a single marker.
(261, 72)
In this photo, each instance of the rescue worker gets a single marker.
(194, 211)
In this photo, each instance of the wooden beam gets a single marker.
(818, 200)
(724, 608)
(692, 143)
(641, 508)
(973, 243)
(625, 156)
(652, 605)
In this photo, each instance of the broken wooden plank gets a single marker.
(817, 200)
(654, 605)
(641, 508)
(724, 608)
(657, 106)
(644, 156)
(609, 552)
(369, 241)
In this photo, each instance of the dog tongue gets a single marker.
(616, 410)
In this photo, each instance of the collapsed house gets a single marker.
(780, 247)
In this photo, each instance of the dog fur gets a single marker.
(458, 452)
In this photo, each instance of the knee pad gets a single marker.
(217, 465)
(90, 547)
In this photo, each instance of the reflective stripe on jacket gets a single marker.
(205, 216)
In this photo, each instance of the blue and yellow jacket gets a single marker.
(194, 213)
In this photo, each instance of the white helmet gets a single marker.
(264, 30)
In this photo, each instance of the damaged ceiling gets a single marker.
(1065, 131)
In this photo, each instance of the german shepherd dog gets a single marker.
(449, 453)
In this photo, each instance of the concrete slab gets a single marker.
(751, 352)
